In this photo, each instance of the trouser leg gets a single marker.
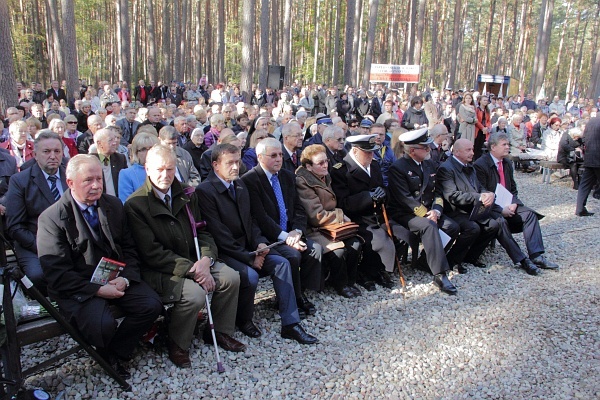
(225, 298)
(184, 314)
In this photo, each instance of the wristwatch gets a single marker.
(212, 261)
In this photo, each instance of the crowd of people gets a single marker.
(201, 189)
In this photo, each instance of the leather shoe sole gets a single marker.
(249, 329)
(224, 341)
(297, 333)
(585, 214)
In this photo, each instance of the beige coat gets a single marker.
(467, 118)
(320, 203)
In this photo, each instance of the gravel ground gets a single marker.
(507, 335)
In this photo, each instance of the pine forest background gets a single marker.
(538, 42)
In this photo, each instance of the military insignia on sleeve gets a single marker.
(420, 211)
(338, 165)
(439, 201)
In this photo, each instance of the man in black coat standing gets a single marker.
(591, 162)
(74, 234)
(494, 169)
(280, 216)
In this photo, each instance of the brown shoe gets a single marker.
(225, 341)
(178, 356)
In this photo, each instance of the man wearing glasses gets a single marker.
(292, 143)
(333, 139)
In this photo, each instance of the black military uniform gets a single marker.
(413, 196)
(360, 194)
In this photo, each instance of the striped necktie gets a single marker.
(53, 188)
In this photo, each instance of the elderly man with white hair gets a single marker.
(438, 133)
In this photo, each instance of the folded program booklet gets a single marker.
(106, 271)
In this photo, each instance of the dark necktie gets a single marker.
(168, 201)
(53, 188)
(295, 159)
(469, 172)
(91, 216)
(231, 190)
(106, 161)
(280, 202)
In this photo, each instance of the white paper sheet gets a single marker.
(503, 196)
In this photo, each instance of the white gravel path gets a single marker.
(507, 335)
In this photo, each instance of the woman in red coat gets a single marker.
(483, 126)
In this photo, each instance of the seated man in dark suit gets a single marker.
(462, 192)
(438, 134)
(280, 216)
(8, 167)
(74, 234)
(333, 139)
(30, 192)
(160, 224)
(492, 169)
(291, 134)
(225, 203)
(107, 143)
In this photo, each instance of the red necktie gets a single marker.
(501, 173)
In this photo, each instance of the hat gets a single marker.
(418, 136)
(366, 123)
(324, 120)
(363, 142)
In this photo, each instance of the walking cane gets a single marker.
(195, 226)
(389, 232)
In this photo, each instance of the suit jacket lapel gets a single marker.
(266, 185)
(42, 183)
(357, 171)
(103, 212)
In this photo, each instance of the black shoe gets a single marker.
(384, 279)
(529, 267)
(543, 263)
(461, 269)
(369, 285)
(301, 312)
(356, 290)
(346, 292)
(308, 307)
(477, 263)
(585, 213)
(114, 362)
(442, 281)
(297, 332)
(249, 329)
(596, 195)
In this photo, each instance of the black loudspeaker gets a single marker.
(275, 77)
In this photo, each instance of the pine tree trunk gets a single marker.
(287, 42)
(488, 40)
(554, 82)
(166, 43)
(419, 33)
(570, 77)
(455, 34)
(410, 37)
(57, 39)
(248, 21)
(542, 46)
(594, 86)
(498, 67)
(336, 45)
(263, 66)
(434, 42)
(221, 42)
(349, 44)
(316, 48)
(373, 6)
(356, 40)
(8, 89)
(123, 40)
(70, 47)
(151, 41)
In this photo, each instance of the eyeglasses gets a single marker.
(341, 140)
(426, 148)
(72, 122)
(274, 155)
(321, 163)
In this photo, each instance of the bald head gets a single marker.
(463, 150)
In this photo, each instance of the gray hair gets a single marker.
(496, 138)
(437, 130)
(142, 140)
(76, 164)
(167, 133)
(160, 152)
(330, 131)
(45, 134)
(261, 147)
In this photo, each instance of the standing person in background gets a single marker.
(591, 162)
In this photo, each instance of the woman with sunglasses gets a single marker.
(318, 199)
